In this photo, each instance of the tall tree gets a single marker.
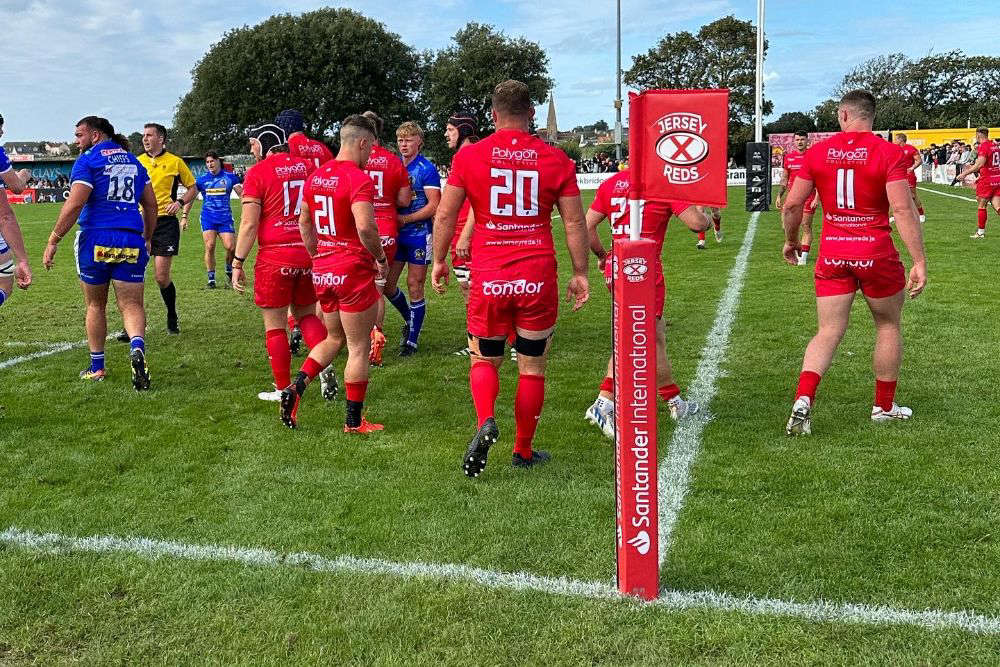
(722, 54)
(327, 63)
(463, 76)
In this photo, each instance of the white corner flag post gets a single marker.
(634, 334)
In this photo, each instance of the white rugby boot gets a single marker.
(800, 423)
(601, 418)
(679, 408)
(898, 413)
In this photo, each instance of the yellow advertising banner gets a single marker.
(922, 139)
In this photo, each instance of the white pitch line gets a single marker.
(946, 194)
(54, 349)
(817, 611)
(675, 470)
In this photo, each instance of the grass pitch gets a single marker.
(902, 515)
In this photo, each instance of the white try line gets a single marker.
(675, 470)
(818, 611)
(946, 194)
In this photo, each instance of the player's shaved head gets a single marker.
(860, 103)
(900, 137)
(984, 131)
(357, 126)
(512, 98)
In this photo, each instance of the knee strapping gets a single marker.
(531, 347)
(489, 347)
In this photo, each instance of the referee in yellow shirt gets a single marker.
(166, 173)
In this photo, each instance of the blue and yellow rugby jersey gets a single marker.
(116, 180)
(217, 191)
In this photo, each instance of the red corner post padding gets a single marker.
(678, 142)
(634, 324)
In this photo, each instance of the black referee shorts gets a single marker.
(166, 241)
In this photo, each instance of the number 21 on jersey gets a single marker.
(324, 211)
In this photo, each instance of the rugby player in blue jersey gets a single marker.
(13, 256)
(216, 186)
(414, 245)
(108, 185)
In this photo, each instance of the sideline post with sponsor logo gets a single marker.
(678, 142)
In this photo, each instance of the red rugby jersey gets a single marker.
(312, 150)
(330, 192)
(278, 182)
(611, 201)
(989, 173)
(850, 171)
(513, 181)
(388, 176)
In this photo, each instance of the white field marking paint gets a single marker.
(675, 469)
(817, 611)
(50, 349)
(946, 194)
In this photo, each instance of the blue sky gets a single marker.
(131, 62)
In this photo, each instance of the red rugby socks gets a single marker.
(808, 382)
(313, 330)
(279, 356)
(484, 381)
(982, 217)
(669, 391)
(885, 393)
(527, 409)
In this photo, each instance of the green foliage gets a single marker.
(463, 76)
(572, 149)
(328, 64)
(790, 122)
(939, 90)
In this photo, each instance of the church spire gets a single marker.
(551, 128)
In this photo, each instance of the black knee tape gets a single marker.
(489, 347)
(531, 347)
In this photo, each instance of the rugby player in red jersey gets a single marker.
(299, 145)
(392, 190)
(315, 153)
(459, 132)
(513, 180)
(912, 162)
(611, 202)
(858, 176)
(272, 200)
(791, 162)
(338, 227)
(987, 165)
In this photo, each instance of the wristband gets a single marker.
(239, 259)
(382, 260)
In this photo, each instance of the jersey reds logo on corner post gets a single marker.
(682, 145)
(635, 269)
